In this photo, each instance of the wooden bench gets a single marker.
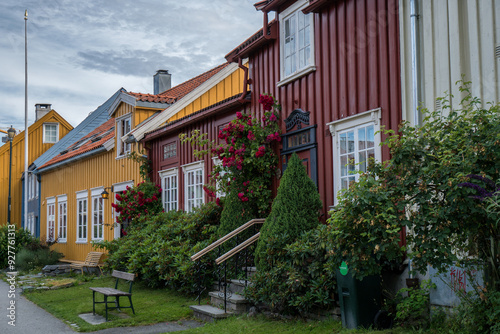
(91, 261)
(110, 292)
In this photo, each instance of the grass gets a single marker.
(151, 305)
(162, 305)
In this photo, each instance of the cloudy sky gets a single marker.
(81, 52)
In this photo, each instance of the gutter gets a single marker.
(246, 81)
(415, 60)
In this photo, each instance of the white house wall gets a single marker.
(455, 37)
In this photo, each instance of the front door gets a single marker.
(301, 141)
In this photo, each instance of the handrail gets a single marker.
(227, 237)
(237, 249)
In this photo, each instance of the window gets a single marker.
(355, 142)
(169, 187)
(81, 216)
(62, 218)
(123, 126)
(218, 186)
(120, 230)
(30, 226)
(97, 215)
(51, 219)
(296, 42)
(193, 185)
(169, 150)
(50, 132)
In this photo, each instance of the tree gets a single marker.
(294, 210)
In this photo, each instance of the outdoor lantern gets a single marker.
(105, 194)
(11, 133)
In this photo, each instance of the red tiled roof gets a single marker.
(175, 93)
(90, 142)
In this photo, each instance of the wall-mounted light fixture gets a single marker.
(105, 194)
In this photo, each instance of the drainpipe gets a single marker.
(415, 60)
(246, 80)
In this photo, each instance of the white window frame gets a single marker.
(97, 232)
(188, 170)
(294, 11)
(45, 139)
(51, 219)
(119, 188)
(62, 218)
(370, 117)
(82, 216)
(173, 193)
(123, 148)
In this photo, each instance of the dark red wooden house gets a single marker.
(334, 67)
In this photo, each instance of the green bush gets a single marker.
(21, 238)
(412, 310)
(294, 210)
(159, 249)
(28, 258)
(301, 280)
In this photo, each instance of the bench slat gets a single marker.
(110, 292)
(123, 275)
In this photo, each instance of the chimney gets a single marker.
(161, 81)
(42, 109)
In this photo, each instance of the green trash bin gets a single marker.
(359, 299)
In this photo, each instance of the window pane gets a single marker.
(361, 138)
(307, 35)
(370, 136)
(343, 143)
(343, 165)
(350, 141)
(362, 160)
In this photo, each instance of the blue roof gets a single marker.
(93, 120)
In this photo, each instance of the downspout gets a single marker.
(415, 60)
(246, 81)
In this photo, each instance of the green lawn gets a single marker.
(161, 305)
(151, 305)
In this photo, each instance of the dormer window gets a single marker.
(296, 42)
(123, 126)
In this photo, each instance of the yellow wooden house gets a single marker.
(73, 211)
(48, 128)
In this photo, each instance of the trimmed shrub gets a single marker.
(295, 210)
(300, 282)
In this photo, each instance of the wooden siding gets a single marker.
(142, 114)
(456, 38)
(230, 86)
(357, 69)
(102, 170)
(36, 147)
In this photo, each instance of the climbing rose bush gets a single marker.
(246, 151)
(138, 202)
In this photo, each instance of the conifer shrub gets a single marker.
(294, 210)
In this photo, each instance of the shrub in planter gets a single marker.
(294, 210)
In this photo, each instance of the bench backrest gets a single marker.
(93, 258)
(123, 275)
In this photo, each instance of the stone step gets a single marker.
(208, 313)
(234, 286)
(235, 303)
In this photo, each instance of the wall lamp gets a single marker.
(105, 194)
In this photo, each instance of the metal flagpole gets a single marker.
(25, 117)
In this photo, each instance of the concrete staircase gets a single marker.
(235, 302)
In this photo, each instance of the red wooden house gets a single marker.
(334, 66)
